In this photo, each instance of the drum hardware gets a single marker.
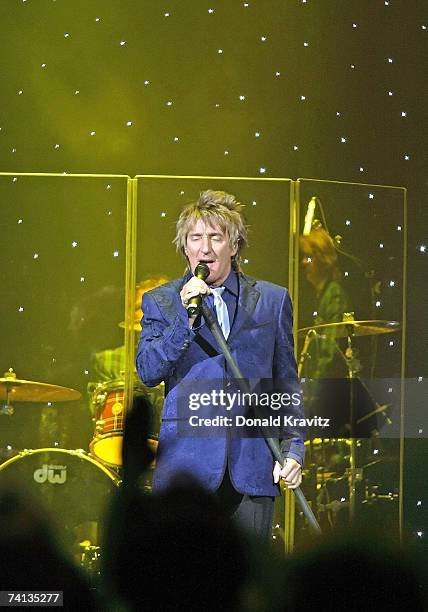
(73, 488)
(13, 389)
(380, 409)
(349, 328)
(107, 403)
(372, 495)
(90, 557)
(136, 326)
(344, 329)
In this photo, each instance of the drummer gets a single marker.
(320, 265)
(109, 364)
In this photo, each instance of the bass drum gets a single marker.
(74, 490)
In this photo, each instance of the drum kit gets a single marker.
(57, 477)
(73, 486)
(333, 477)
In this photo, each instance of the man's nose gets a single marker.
(206, 244)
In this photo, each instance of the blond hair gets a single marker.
(216, 208)
(321, 244)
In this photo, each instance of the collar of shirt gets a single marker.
(231, 283)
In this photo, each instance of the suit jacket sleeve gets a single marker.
(163, 340)
(285, 375)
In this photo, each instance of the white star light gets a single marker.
(371, 196)
(423, 248)
(115, 253)
(262, 170)
(129, 123)
(74, 244)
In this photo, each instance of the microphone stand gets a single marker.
(271, 442)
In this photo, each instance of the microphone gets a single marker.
(202, 271)
(309, 216)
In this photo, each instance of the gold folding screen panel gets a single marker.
(75, 248)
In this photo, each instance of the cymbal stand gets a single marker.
(6, 407)
(354, 474)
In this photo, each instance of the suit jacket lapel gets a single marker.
(247, 302)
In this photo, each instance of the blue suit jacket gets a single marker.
(261, 341)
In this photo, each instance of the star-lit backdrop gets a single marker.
(330, 89)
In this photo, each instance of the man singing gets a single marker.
(256, 318)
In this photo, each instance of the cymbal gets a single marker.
(356, 328)
(16, 390)
(135, 327)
